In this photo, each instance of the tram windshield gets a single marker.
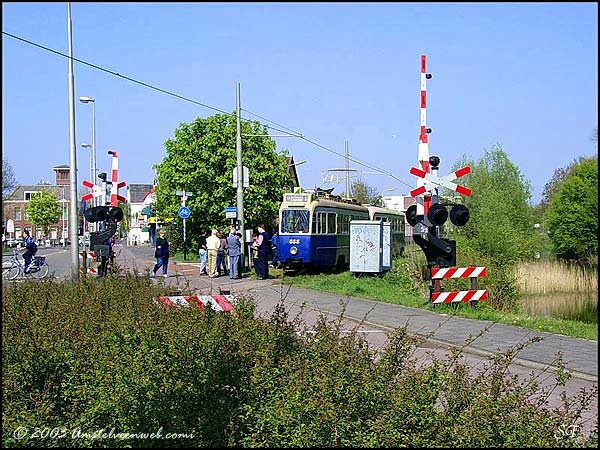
(295, 220)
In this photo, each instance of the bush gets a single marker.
(100, 355)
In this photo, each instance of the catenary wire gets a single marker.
(293, 133)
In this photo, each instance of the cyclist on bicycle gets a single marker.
(30, 248)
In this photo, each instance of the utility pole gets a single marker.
(347, 173)
(72, 158)
(240, 170)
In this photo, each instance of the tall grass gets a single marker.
(545, 277)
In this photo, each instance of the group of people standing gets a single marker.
(213, 259)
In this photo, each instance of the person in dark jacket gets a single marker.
(161, 254)
(221, 257)
(30, 248)
(274, 247)
(262, 244)
(234, 248)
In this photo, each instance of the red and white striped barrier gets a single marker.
(220, 303)
(459, 296)
(92, 256)
(471, 295)
(457, 272)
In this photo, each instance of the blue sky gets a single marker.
(522, 75)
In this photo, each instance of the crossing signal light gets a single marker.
(102, 213)
(459, 215)
(115, 214)
(96, 214)
(411, 215)
(437, 214)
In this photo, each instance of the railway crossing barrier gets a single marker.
(87, 265)
(472, 295)
(220, 303)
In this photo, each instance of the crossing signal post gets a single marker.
(440, 252)
(109, 217)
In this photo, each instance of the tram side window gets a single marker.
(331, 223)
(322, 223)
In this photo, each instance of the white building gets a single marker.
(139, 228)
(401, 203)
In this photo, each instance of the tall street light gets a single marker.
(92, 178)
(385, 190)
(93, 155)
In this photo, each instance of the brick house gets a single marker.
(15, 205)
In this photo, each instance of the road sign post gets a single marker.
(184, 213)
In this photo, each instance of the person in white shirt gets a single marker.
(212, 246)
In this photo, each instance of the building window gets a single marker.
(18, 213)
(28, 195)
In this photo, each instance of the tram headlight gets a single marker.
(294, 250)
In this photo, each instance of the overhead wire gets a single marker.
(290, 131)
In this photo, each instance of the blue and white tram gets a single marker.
(314, 230)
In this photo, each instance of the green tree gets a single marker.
(201, 158)
(43, 210)
(363, 193)
(572, 215)
(500, 231)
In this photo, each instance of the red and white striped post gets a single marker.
(423, 138)
(115, 184)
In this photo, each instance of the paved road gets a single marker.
(374, 320)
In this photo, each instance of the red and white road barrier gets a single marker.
(471, 295)
(457, 272)
(89, 255)
(221, 303)
(459, 296)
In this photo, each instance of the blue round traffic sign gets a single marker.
(184, 212)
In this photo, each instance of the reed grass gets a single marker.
(545, 277)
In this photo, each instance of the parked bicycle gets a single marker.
(38, 268)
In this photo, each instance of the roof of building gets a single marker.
(137, 192)
(19, 193)
(62, 166)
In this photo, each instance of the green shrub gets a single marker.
(101, 355)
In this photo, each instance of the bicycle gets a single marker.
(38, 268)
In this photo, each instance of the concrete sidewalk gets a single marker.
(579, 355)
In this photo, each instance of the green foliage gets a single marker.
(500, 231)
(201, 158)
(99, 354)
(363, 193)
(572, 216)
(501, 218)
(43, 209)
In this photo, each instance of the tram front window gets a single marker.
(295, 221)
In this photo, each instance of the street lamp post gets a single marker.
(385, 190)
(93, 154)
